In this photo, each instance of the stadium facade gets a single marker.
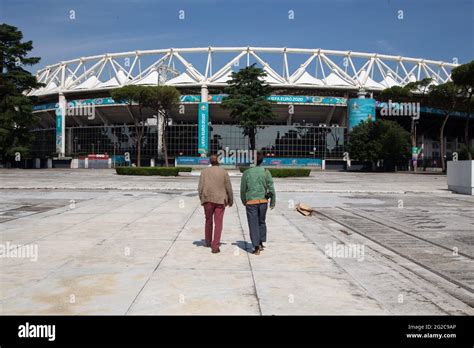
(318, 96)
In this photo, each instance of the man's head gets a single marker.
(259, 158)
(214, 160)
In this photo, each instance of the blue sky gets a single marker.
(432, 29)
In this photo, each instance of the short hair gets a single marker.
(214, 160)
(259, 158)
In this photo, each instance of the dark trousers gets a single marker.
(256, 214)
(216, 211)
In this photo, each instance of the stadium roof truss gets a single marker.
(301, 68)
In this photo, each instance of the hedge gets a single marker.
(162, 171)
(185, 169)
(284, 172)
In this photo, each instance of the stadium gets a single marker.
(317, 95)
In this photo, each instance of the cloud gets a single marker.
(387, 48)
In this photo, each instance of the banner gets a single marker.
(360, 110)
(59, 130)
(312, 100)
(191, 161)
(267, 162)
(203, 129)
(292, 162)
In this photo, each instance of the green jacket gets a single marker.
(256, 181)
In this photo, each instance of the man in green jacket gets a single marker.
(256, 189)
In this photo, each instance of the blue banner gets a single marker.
(203, 129)
(302, 99)
(292, 162)
(59, 130)
(267, 162)
(284, 99)
(191, 161)
(360, 110)
(217, 98)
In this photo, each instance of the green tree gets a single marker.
(380, 140)
(16, 117)
(162, 99)
(248, 101)
(412, 92)
(447, 97)
(135, 96)
(463, 76)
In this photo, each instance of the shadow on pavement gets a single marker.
(244, 245)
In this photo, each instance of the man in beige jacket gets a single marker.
(215, 193)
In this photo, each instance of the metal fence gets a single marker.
(182, 140)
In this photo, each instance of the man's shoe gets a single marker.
(215, 251)
(261, 246)
(256, 251)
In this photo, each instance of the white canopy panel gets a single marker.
(365, 80)
(389, 81)
(307, 79)
(333, 79)
(181, 79)
(69, 75)
(90, 83)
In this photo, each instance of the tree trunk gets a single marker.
(466, 137)
(164, 142)
(139, 149)
(373, 166)
(252, 138)
(466, 128)
(413, 141)
(140, 132)
(441, 143)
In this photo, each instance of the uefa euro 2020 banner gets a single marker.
(360, 110)
(215, 99)
(203, 129)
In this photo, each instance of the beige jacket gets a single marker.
(214, 186)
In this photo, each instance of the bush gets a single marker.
(161, 171)
(284, 172)
(185, 169)
(463, 154)
(380, 140)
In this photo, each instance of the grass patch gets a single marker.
(284, 172)
(161, 171)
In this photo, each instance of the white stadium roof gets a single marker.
(285, 68)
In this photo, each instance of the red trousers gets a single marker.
(216, 211)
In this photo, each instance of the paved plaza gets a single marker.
(99, 243)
